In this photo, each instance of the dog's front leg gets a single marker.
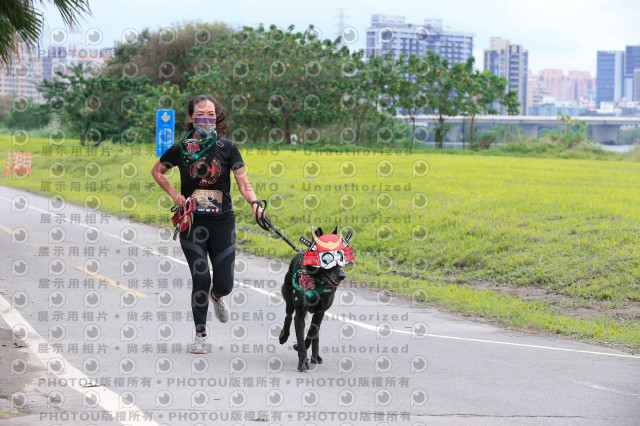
(303, 361)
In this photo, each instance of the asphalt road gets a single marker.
(95, 326)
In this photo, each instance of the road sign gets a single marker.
(165, 123)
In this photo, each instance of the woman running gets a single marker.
(205, 160)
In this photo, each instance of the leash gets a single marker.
(264, 223)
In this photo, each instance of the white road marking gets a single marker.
(358, 323)
(603, 388)
(467, 339)
(109, 400)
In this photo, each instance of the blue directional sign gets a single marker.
(165, 122)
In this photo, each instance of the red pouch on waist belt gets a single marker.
(183, 216)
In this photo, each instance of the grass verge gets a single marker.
(427, 226)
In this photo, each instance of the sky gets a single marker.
(559, 34)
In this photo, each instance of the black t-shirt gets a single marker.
(208, 179)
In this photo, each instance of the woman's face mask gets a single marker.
(204, 125)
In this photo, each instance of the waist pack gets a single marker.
(183, 216)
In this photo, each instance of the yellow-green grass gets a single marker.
(567, 226)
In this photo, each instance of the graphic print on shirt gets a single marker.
(208, 169)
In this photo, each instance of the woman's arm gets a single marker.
(246, 189)
(158, 172)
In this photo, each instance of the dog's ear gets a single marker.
(319, 232)
(335, 231)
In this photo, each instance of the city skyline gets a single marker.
(562, 36)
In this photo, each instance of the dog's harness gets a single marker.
(306, 287)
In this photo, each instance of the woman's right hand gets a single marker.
(179, 200)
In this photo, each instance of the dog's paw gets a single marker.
(284, 336)
(316, 360)
(304, 365)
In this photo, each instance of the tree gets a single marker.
(96, 108)
(483, 91)
(20, 21)
(442, 90)
(273, 80)
(460, 90)
(368, 90)
(412, 96)
(26, 117)
(149, 100)
(164, 55)
(387, 81)
(6, 104)
(575, 131)
(630, 136)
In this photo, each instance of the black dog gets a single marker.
(319, 271)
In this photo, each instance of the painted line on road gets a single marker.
(612, 390)
(467, 339)
(110, 281)
(108, 399)
(354, 322)
(117, 237)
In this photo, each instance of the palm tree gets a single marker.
(20, 21)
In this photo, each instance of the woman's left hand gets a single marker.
(257, 211)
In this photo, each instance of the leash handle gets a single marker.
(262, 220)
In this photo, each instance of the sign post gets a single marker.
(165, 123)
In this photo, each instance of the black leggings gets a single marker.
(218, 240)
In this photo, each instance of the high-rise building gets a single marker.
(535, 91)
(56, 60)
(631, 63)
(391, 34)
(636, 85)
(574, 87)
(512, 62)
(553, 82)
(20, 80)
(579, 85)
(29, 69)
(632, 59)
(609, 76)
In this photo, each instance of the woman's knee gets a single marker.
(222, 288)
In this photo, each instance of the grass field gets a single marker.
(473, 234)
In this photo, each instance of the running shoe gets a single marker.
(199, 345)
(222, 310)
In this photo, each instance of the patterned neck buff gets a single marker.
(192, 148)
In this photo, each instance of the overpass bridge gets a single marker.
(603, 129)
